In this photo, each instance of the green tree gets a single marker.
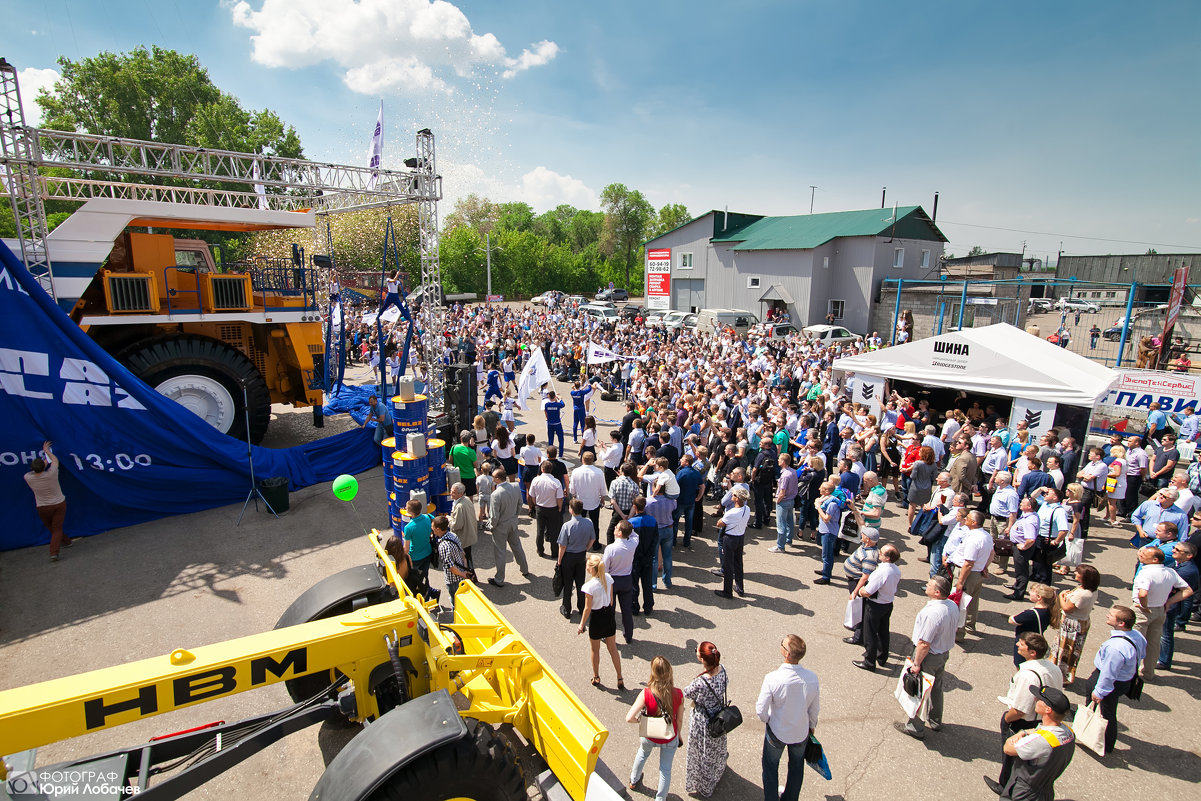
(627, 215)
(670, 217)
(585, 229)
(516, 216)
(160, 95)
(460, 252)
(554, 225)
(477, 213)
(975, 251)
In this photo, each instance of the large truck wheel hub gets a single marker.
(204, 396)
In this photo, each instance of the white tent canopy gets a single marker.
(994, 360)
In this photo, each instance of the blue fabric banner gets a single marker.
(128, 454)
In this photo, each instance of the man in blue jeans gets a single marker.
(662, 509)
(552, 407)
(829, 513)
(690, 481)
(786, 492)
(788, 703)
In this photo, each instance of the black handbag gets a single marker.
(556, 581)
(727, 717)
(813, 750)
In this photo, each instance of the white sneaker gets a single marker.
(775, 549)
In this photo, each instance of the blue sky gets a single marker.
(1061, 122)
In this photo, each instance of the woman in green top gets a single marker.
(464, 457)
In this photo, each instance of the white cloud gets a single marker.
(364, 36)
(32, 81)
(544, 189)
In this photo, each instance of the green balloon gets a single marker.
(346, 487)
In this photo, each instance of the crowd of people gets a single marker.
(742, 432)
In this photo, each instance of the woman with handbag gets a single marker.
(1115, 484)
(707, 753)
(657, 711)
(1077, 605)
(598, 616)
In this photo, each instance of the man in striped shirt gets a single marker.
(858, 567)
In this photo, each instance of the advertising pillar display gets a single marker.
(658, 278)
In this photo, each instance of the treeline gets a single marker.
(574, 250)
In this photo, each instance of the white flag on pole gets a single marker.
(391, 314)
(599, 354)
(533, 375)
(259, 189)
(375, 156)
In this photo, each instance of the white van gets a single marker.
(606, 314)
(710, 320)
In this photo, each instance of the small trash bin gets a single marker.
(275, 493)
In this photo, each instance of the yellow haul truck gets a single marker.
(357, 647)
(225, 341)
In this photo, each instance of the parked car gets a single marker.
(710, 320)
(776, 330)
(540, 300)
(653, 318)
(829, 334)
(630, 311)
(616, 293)
(674, 319)
(576, 300)
(1039, 305)
(1077, 304)
(1113, 333)
(600, 312)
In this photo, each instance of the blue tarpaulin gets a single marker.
(128, 454)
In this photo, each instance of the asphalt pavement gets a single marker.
(193, 580)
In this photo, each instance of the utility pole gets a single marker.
(812, 189)
(488, 250)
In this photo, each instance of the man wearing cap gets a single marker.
(1115, 665)
(878, 589)
(1035, 672)
(1041, 755)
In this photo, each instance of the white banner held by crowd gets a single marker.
(391, 314)
(534, 374)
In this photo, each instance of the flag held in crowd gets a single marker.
(533, 375)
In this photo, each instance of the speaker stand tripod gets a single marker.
(255, 493)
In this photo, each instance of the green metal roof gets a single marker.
(806, 231)
(728, 221)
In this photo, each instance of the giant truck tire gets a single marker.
(481, 767)
(334, 595)
(206, 377)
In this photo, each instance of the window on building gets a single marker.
(898, 258)
(836, 307)
(685, 261)
(925, 260)
(752, 282)
(826, 262)
(1111, 294)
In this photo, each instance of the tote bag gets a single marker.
(1089, 727)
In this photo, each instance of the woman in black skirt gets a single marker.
(599, 618)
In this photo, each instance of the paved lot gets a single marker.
(193, 580)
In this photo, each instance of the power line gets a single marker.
(1073, 236)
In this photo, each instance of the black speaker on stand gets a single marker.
(462, 398)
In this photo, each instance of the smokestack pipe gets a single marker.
(934, 215)
(883, 193)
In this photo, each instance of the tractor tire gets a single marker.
(482, 767)
(206, 377)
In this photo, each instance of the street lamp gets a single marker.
(488, 256)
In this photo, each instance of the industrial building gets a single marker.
(810, 265)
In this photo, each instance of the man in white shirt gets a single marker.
(976, 552)
(788, 704)
(878, 593)
(1156, 587)
(612, 456)
(619, 565)
(933, 637)
(1035, 672)
(545, 499)
(587, 482)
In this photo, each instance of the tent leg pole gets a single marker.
(896, 311)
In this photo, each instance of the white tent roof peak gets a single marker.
(995, 360)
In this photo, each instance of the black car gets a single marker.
(629, 311)
(617, 294)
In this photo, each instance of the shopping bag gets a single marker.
(854, 613)
(963, 605)
(556, 581)
(913, 705)
(1089, 727)
(815, 757)
(1075, 553)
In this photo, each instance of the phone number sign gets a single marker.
(658, 278)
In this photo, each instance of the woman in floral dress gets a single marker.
(706, 755)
